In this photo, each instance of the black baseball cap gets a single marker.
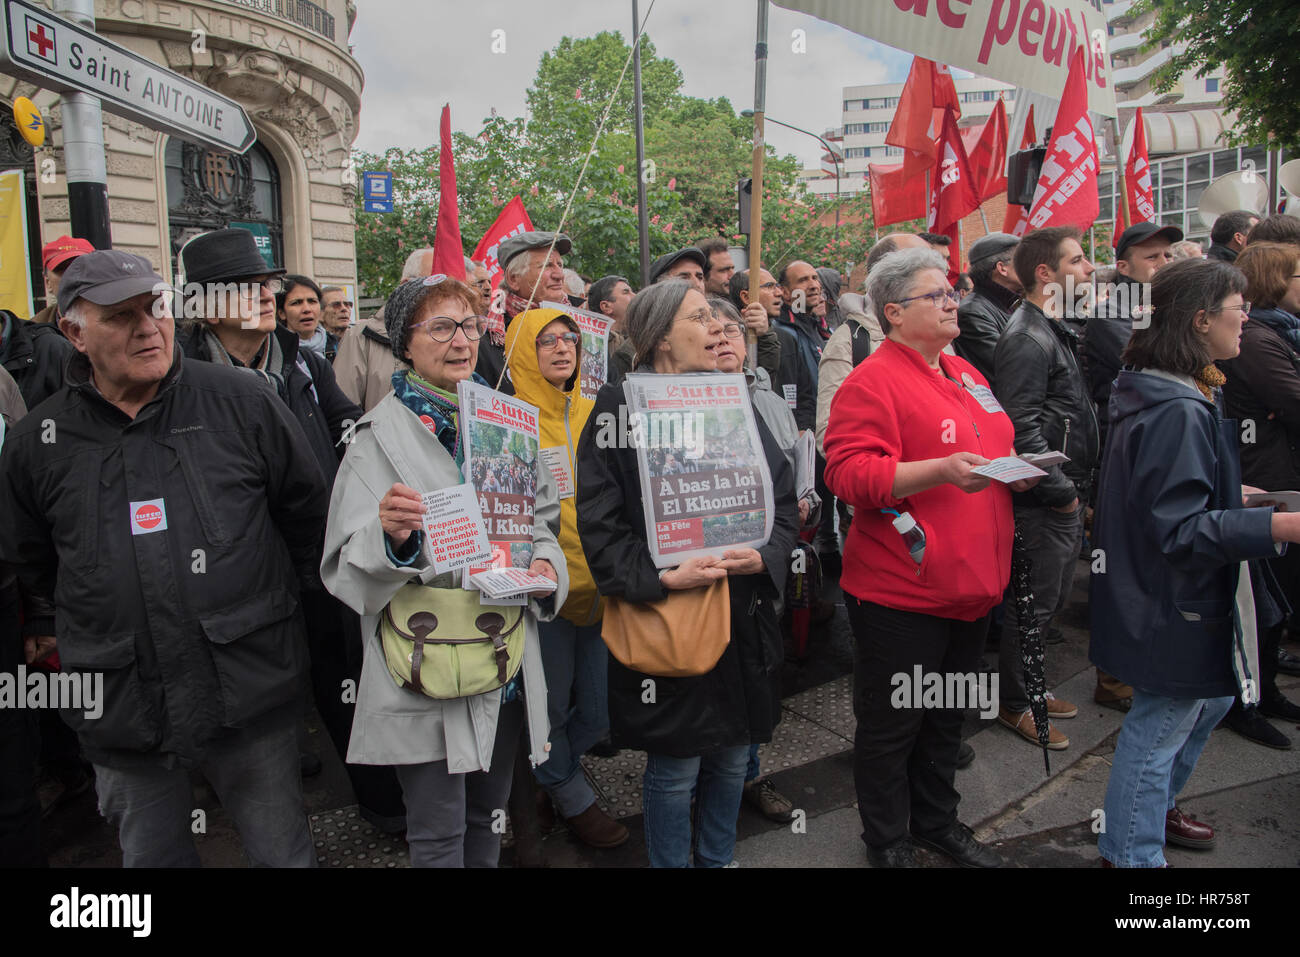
(1141, 232)
(668, 260)
(107, 277)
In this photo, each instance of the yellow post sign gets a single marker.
(15, 279)
(29, 121)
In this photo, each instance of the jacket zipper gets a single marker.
(1065, 442)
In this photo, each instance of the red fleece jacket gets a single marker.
(894, 408)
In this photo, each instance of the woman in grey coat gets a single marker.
(454, 757)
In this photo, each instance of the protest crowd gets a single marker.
(225, 518)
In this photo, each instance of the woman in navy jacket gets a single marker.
(1174, 536)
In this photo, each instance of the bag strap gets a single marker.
(861, 339)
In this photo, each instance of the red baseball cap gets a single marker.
(55, 254)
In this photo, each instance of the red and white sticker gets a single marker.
(429, 423)
(150, 516)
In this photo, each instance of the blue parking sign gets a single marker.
(377, 192)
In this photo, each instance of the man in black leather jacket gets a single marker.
(983, 315)
(1039, 384)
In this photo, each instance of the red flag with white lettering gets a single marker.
(512, 221)
(1137, 183)
(929, 90)
(448, 250)
(1067, 186)
(1017, 217)
(954, 193)
(894, 197)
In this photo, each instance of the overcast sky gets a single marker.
(416, 56)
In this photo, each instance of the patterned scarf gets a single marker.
(268, 363)
(437, 408)
(496, 322)
(1209, 379)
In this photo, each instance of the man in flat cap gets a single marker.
(168, 510)
(983, 315)
(688, 264)
(533, 273)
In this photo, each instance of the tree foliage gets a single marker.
(1255, 41)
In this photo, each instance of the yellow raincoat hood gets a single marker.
(563, 416)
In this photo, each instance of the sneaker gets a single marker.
(1023, 725)
(595, 828)
(1058, 708)
(768, 801)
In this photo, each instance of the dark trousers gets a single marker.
(334, 642)
(904, 759)
(20, 810)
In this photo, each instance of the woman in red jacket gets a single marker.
(907, 428)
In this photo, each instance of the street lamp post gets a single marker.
(834, 155)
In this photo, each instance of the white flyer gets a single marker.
(1008, 469)
(1044, 460)
(805, 465)
(453, 528)
(556, 461)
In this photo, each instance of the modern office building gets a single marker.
(288, 63)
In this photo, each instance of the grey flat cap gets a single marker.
(993, 244)
(515, 245)
(668, 260)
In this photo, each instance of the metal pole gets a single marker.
(642, 214)
(1119, 173)
(756, 200)
(837, 200)
(83, 148)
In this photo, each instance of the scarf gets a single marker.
(1280, 321)
(317, 343)
(438, 409)
(1209, 379)
(496, 322)
(268, 363)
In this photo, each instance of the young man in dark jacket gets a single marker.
(984, 314)
(1039, 384)
(238, 329)
(170, 512)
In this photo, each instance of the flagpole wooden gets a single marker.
(756, 194)
(642, 213)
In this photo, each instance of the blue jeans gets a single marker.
(258, 779)
(718, 779)
(1158, 747)
(576, 664)
(752, 768)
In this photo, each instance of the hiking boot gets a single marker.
(595, 828)
(1023, 725)
(1059, 708)
(768, 801)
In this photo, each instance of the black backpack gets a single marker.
(861, 340)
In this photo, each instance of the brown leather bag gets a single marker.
(677, 637)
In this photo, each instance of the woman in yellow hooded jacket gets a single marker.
(544, 353)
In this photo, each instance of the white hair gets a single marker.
(891, 278)
(417, 264)
(76, 314)
(519, 264)
(573, 283)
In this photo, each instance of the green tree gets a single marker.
(1255, 41)
(490, 439)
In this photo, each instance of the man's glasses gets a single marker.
(768, 285)
(937, 299)
(443, 328)
(550, 340)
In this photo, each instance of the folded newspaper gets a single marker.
(510, 583)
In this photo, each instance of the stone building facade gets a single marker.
(288, 63)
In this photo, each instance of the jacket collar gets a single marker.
(917, 361)
(1060, 328)
(1000, 296)
(78, 378)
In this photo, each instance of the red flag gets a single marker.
(1137, 183)
(1067, 187)
(448, 252)
(1017, 217)
(929, 90)
(986, 149)
(954, 193)
(894, 197)
(512, 220)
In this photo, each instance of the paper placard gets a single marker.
(453, 528)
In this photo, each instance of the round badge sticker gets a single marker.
(967, 380)
(148, 516)
(429, 424)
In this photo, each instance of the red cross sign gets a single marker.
(41, 43)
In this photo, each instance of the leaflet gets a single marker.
(1044, 460)
(1284, 501)
(1008, 469)
(453, 528)
(510, 583)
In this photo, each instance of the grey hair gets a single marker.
(573, 283)
(325, 290)
(519, 264)
(416, 267)
(650, 316)
(76, 314)
(892, 277)
(723, 309)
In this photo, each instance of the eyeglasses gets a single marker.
(272, 284)
(550, 340)
(1244, 307)
(768, 285)
(483, 285)
(937, 298)
(703, 317)
(733, 330)
(443, 328)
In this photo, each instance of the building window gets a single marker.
(893, 151)
(1212, 85)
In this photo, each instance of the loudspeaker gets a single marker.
(1244, 189)
(1022, 175)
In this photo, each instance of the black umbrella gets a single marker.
(1031, 641)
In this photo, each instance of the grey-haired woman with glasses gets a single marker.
(454, 757)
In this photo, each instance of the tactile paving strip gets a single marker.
(344, 839)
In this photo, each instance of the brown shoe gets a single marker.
(1182, 831)
(595, 828)
(1023, 725)
(1058, 708)
(1115, 704)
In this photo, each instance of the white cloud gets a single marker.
(418, 56)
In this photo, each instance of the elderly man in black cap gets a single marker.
(688, 263)
(533, 273)
(984, 314)
(170, 511)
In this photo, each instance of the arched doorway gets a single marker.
(212, 189)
